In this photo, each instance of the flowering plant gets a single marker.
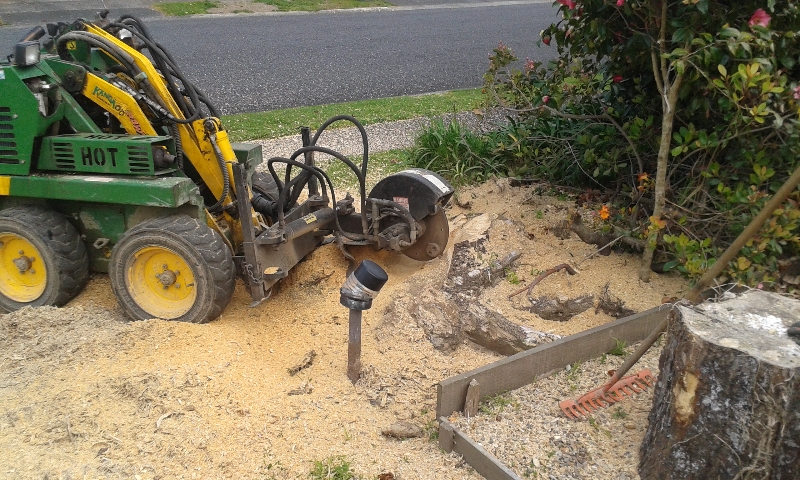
(703, 94)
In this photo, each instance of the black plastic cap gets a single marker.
(371, 276)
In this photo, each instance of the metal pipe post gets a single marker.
(305, 135)
(354, 347)
(358, 291)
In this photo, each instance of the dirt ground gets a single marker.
(86, 394)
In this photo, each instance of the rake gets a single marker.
(618, 387)
(612, 392)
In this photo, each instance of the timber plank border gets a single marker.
(525, 367)
(481, 460)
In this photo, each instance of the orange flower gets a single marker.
(604, 214)
(645, 182)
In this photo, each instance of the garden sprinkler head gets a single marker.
(362, 286)
(357, 292)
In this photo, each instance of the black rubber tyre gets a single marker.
(154, 260)
(32, 237)
(264, 183)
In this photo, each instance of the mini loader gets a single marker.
(112, 161)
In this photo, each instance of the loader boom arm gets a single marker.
(203, 141)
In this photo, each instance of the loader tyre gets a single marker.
(43, 260)
(173, 268)
(264, 183)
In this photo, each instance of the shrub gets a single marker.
(687, 109)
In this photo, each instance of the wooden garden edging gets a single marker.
(524, 368)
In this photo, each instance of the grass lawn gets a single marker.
(179, 9)
(317, 5)
(279, 123)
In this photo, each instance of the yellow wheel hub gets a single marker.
(161, 282)
(23, 276)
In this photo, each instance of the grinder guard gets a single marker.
(419, 190)
(424, 194)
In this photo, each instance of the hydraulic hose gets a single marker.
(226, 181)
(282, 197)
(365, 156)
(333, 153)
(110, 48)
(162, 59)
(157, 49)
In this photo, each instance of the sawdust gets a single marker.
(85, 393)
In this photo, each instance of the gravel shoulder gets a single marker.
(382, 136)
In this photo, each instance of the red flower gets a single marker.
(545, 99)
(571, 4)
(759, 18)
(620, 3)
(546, 40)
(530, 65)
(616, 78)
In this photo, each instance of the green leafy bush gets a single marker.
(686, 110)
(455, 152)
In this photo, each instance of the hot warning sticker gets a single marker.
(402, 201)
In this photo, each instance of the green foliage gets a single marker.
(333, 468)
(455, 152)
(619, 348)
(277, 123)
(179, 9)
(573, 372)
(317, 5)
(273, 471)
(593, 118)
(619, 414)
(534, 469)
(497, 404)
(512, 277)
(431, 425)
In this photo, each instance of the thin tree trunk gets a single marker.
(669, 100)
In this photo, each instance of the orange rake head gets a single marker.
(612, 392)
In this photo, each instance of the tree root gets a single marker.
(542, 276)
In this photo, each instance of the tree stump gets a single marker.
(727, 401)
(453, 311)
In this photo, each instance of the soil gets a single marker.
(84, 393)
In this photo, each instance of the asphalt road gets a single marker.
(257, 63)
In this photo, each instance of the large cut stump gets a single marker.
(727, 401)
